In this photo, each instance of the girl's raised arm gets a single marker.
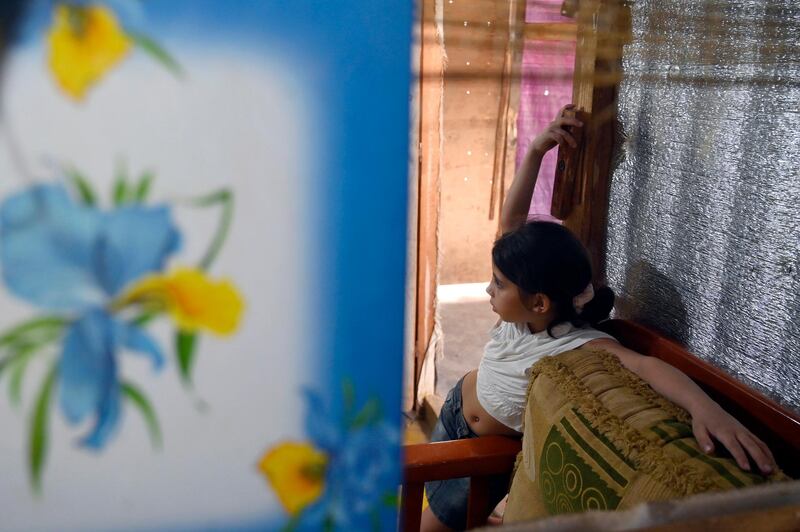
(518, 200)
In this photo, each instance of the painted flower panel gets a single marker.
(99, 272)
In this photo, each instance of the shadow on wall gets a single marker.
(650, 297)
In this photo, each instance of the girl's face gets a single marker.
(505, 299)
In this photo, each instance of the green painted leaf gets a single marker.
(138, 399)
(370, 413)
(144, 318)
(185, 343)
(20, 352)
(18, 373)
(143, 188)
(31, 335)
(15, 384)
(292, 524)
(375, 520)
(391, 499)
(37, 450)
(223, 198)
(157, 52)
(349, 396)
(82, 186)
(33, 327)
(9, 360)
(119, 195)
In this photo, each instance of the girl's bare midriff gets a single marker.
(478, 419)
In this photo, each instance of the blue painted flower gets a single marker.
(71, 258)
(367, 466)
(361, 470)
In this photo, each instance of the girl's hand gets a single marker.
(708, 418)
(712, 420)
(555, 133)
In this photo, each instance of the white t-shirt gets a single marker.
(511, 351)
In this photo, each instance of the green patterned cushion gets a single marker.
(597, 437)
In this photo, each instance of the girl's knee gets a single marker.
(430, 523)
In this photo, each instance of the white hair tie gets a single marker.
(584, 297)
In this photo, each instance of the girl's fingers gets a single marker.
(566, 138)
(703, 438)
(558, 139)
(767, 451)
(756, 452)
(567, 121)
(732, 444)
(764, 447)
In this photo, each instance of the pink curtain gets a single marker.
(547, 68)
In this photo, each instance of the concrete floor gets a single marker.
(466, 319)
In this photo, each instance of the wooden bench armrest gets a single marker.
(487, 455)
(477, 458)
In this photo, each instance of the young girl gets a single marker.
(541, 290)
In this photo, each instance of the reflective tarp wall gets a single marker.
(704, 219)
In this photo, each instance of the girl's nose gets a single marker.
(489, 288)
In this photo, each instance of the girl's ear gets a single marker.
(540, 303)
(528, 300)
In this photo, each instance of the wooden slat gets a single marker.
(602, 31)
(513, 54)
(568, 172)
(430, 96)
(488, 455)
(551, 31)
(784, 519)
(478, 507)
(572, 166)
(411, 510)
(594, 194)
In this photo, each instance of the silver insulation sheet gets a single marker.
(704, 219)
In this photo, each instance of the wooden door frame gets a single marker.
(431, 68)
(603, 28)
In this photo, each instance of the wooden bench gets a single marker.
(480, 458)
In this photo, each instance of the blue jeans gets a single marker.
(448, 498)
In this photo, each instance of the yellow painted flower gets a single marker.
(85, 42)
(296, 472)
(193, 300)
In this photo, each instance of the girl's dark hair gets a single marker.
(546, 258)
